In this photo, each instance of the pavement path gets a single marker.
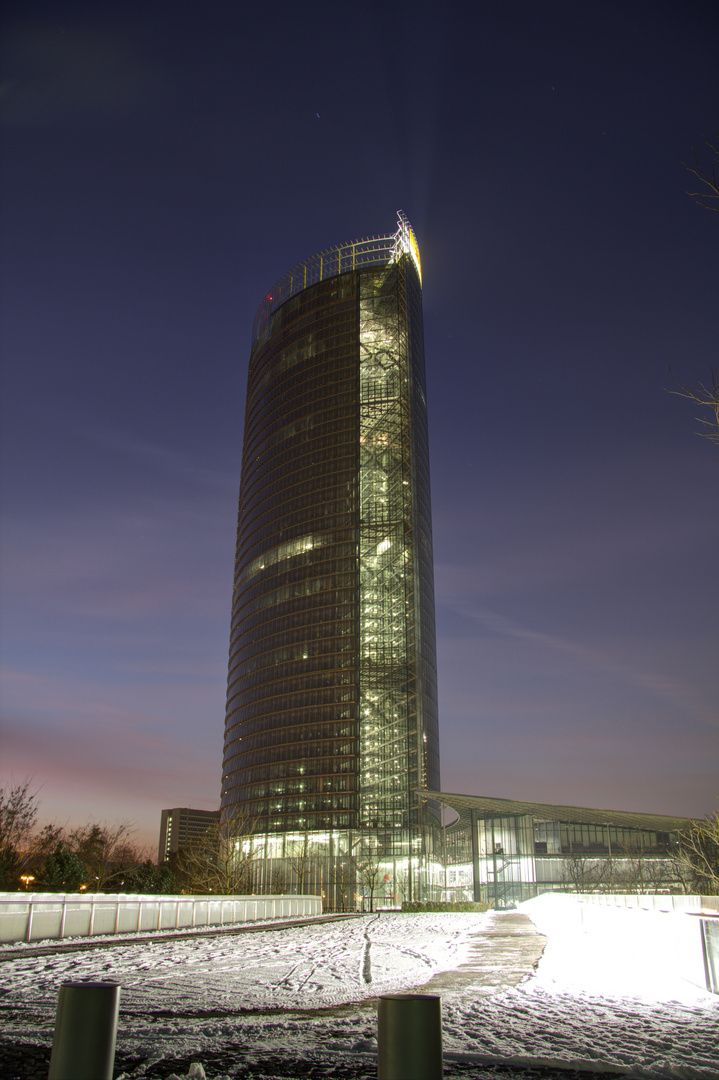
(503, 953)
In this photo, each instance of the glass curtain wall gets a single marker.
(290, 732)
(504, 859)
(331, 712)
(386, 601)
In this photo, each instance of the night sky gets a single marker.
(163, 165)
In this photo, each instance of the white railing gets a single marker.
(651, 901)
(40, 916)
(679, 934)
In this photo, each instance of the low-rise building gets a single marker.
(502, 851)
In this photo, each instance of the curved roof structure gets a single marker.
(489, 807)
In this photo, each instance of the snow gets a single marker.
(317, 965)
(308, 990)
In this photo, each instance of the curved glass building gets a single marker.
(331, 725)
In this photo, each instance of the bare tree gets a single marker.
(300, 856)
(584, 874)
(698, 855)
(277, 884)
(708, 194)
(18, 815)
(107, 851)
(369, 869)
(706, 395)
(221, 861)
(642, 869)
(343, 879)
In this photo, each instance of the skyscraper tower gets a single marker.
(331, 724)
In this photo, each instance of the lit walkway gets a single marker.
(504, 951)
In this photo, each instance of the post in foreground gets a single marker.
(409, 1037)
(83, 1047)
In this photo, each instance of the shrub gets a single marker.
(61, 871)
(443, 905)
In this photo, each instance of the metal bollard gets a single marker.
(409, 1037)
(83, 1047)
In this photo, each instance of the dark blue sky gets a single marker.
(162, 167)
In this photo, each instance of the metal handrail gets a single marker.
(369, 251)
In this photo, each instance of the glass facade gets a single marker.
(331, 723)
(501, 853)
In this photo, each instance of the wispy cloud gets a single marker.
(657, 683)
(162, 457)
(155, 553)
(591, 522)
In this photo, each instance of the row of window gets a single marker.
(242, 686)
(290, 700)
(331, 515)
(287, 323)
(325, 392)
(313, 559)
(329, 655)
(302, 785)
(278, 767)
(319, 396)
(298, 685)
(333, 353)
(339, 538)
(307, 804)
(301, 512)
(323, 416)
(287, 550)
(330, 466)
(309, 823)
(332, 288)
(326, 565)
(302, 599)
(296, 727)
(336, 365)
(319, 429)
(304, 347)
(298, 328)
(317, 622)
(303, 432)
(255, 637)
(337, 588)
(334, 636)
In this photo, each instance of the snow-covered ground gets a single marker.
(307, 990)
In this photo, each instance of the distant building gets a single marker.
(502, 851)
(180, 826)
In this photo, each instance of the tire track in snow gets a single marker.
(365, 959)
(287, 976)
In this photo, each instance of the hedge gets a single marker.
(442, 905)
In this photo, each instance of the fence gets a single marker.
(40, 916)
(651, 902)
